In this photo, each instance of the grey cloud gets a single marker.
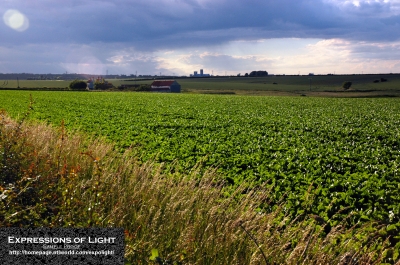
(152, 25)
(376, 51)
(91, 59)
(391, 21)
(370, 8)
(101, 28)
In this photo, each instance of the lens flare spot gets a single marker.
(16, 20)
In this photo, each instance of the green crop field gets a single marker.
(318, 83)
(287, 85)
(292, 83)
(343, 153)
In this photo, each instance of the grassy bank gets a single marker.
(49, 178)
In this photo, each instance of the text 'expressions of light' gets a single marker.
(16, 20)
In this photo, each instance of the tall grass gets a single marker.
(50, 178)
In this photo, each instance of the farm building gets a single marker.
(90, 84)
(166, 86)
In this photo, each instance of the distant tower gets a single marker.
(201, 71)
(195, 73)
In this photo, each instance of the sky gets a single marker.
(178, 37)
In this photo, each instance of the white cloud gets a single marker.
(318, 56)
(342, 56)
(374, 8)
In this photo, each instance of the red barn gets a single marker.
(166, 86)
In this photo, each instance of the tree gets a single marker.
(102, 84)
(78, 85)
(144, 87)
(258, 73)
(346, 85)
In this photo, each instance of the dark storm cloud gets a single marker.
(151, 25)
